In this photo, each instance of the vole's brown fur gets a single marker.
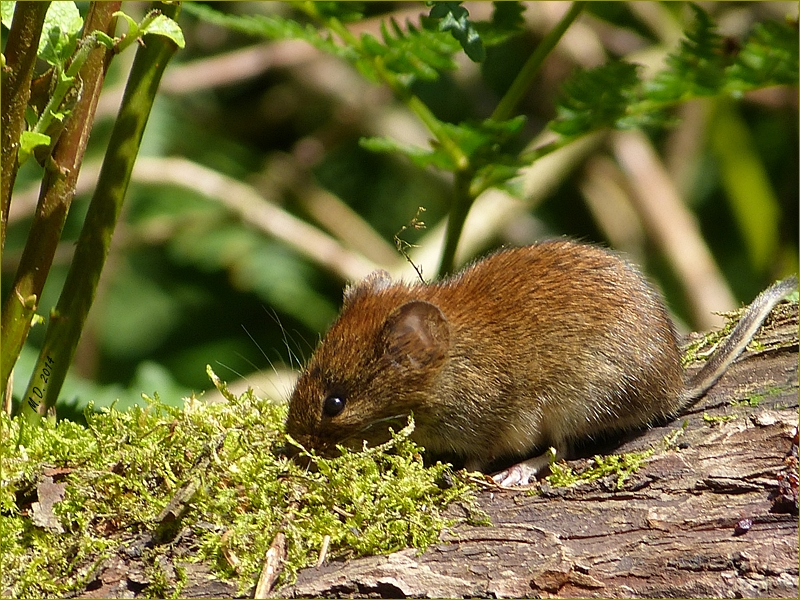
(528, 348)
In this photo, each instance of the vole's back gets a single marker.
(549, 344)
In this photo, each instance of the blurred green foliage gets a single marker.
(189, 283)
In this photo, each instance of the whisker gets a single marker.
(400, 417)
(286, 338)
(229, 368)
(270, 362)
(255, 342)
(307, 344)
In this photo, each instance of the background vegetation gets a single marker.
(253, 201)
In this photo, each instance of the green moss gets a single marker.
(716, 420)
(756, 399)
(620, 466)
(702, 348)
(124, 472)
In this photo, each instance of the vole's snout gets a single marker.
(286, 450)
(296, 454)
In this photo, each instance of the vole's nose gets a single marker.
(296, 454)
(286, 450)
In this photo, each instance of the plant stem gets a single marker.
(531, 68)
(435, 126)
(55, 197)
(462, 198)
(462, 202)
(64, 83)
(20, 53)
(69, 316)
(463, 171)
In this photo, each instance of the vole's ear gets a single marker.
(416, 335)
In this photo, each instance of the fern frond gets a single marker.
(405, 54)
(595, 98)
(481, 141)
(697, 68)
(273, 27)
(420, 52)
(421, 157)
(768, 57)
(612, 95)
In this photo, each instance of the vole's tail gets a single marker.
(741, 335)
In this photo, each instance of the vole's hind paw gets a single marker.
(514, 476)
(523, 472)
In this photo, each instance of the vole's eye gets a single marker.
(332, 405)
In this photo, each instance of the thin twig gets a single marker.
(255, 210)
(673, 227)
(273, 565)
(323, 551)
(403, 246)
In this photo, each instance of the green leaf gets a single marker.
(62, 25)
(482, 142)
(104, 39)
(497, 175)
(163, 25)
(452, 17)
(419, 156)
(29, 141)
(372, 45)
(420, 53)
(7, 13)
(505, 129)
(133, 26)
